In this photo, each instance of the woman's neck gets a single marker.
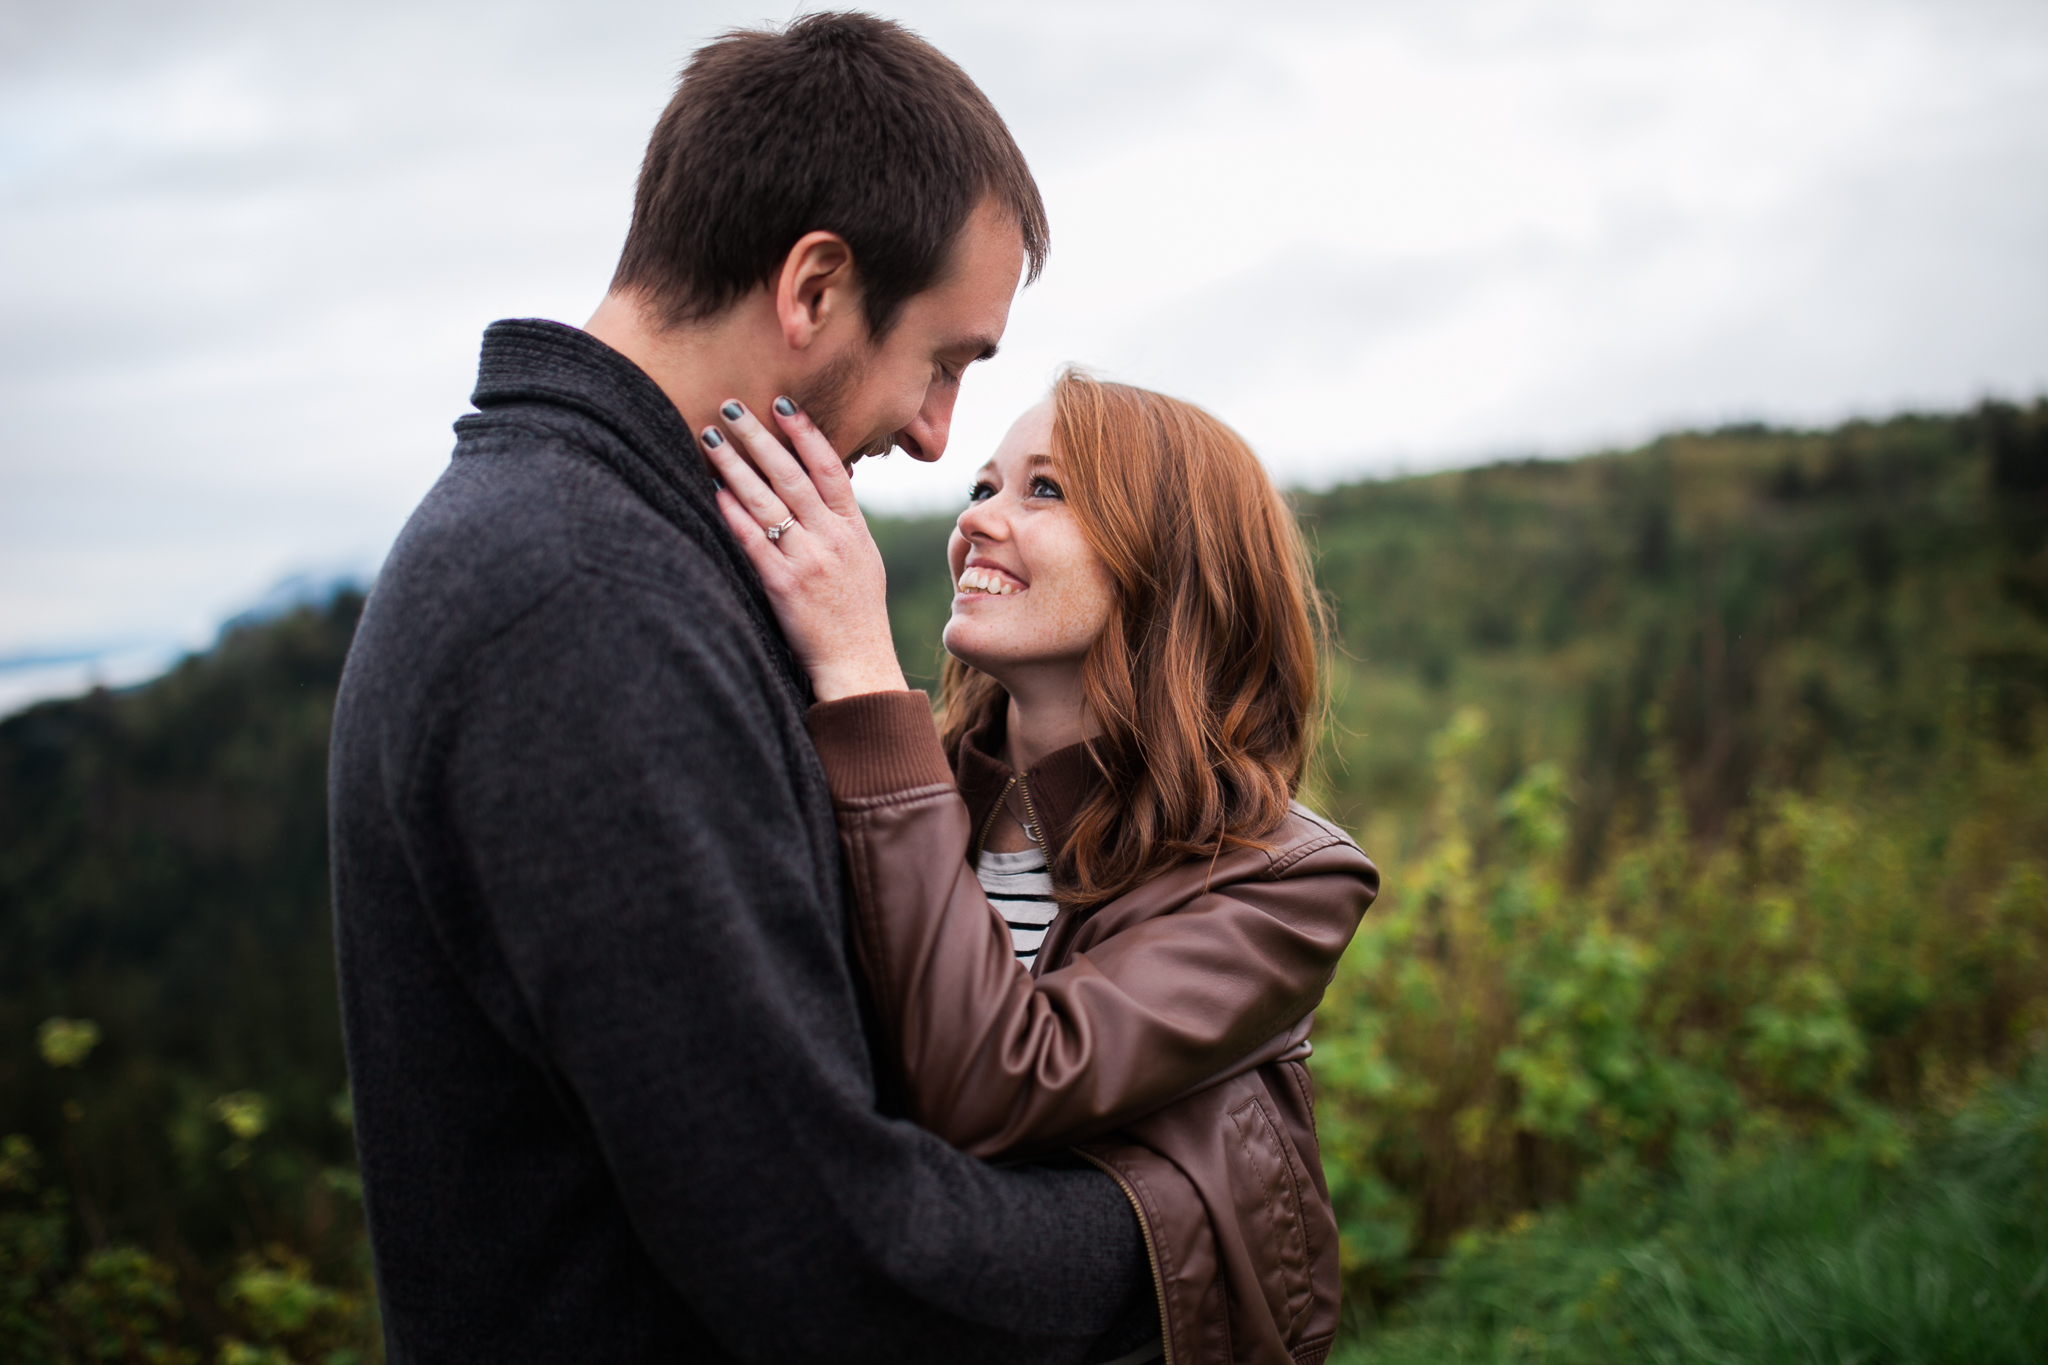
(1047, 712)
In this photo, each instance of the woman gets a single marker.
(1091, 914)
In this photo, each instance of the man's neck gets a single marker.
(698, 365)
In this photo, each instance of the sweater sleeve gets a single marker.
(999, 1062)
(639, 909)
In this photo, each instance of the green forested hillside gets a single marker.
(163, 879)
(1710, 781)
(1765, 603)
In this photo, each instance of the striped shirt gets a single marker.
(1020, 889)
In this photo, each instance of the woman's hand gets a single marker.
(807, 539)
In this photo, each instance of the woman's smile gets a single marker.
(986, 580)
(1018, 538)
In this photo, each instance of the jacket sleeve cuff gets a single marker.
(877, 743)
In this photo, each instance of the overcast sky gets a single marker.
(246, 249)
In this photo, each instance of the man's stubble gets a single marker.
(825, 397)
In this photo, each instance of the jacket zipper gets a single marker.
(981, 840)
(1034, 829)
(1037, 831)
(1151, 1251)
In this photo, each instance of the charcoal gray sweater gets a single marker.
(613, 1091)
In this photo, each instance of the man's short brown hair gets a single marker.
(840, 123)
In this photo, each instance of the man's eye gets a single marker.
(1042, 487)
(981, 489)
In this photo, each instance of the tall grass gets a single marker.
(1778, 1250)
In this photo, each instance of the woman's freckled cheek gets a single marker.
(1069, 599)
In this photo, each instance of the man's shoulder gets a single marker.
(525, 519)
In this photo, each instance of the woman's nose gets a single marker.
(980, 520)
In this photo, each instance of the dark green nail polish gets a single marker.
(713, 437)
(731, 412)
(785, 407)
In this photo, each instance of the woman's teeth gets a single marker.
(980, 580)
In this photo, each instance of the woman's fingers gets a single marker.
(828, 472)
(762, 553)
(747, 530)
(828, 585)
(786, 479)
(740, 478)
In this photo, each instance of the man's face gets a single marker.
(869, 398)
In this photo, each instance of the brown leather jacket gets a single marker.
(1160, 1035)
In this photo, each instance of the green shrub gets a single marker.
(122, 1305)
(1498, 1027)
(295, 1320)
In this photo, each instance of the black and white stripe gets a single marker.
(1020, 889)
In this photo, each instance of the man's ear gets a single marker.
(817, 288)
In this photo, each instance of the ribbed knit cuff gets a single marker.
(877, 743)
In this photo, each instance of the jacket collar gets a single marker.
(1061, 782)
(534, 362)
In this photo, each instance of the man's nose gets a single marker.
(925, 437)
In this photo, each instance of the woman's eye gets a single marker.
(980, 490)
(1042, 487)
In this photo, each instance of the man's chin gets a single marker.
(872, 450)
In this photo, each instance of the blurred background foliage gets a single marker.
(178, 1183)
(1703, 1018)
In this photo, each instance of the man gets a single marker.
(614, 1098)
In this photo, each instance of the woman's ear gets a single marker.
(817, 289)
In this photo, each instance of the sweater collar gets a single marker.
(1061, 783)
(534, 361)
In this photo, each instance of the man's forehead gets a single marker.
(979, 283)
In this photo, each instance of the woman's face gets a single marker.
(1028, 591)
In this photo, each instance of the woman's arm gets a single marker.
(994, 1060)
(998, 1062)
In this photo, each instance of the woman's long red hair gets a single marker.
(1205, 682)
